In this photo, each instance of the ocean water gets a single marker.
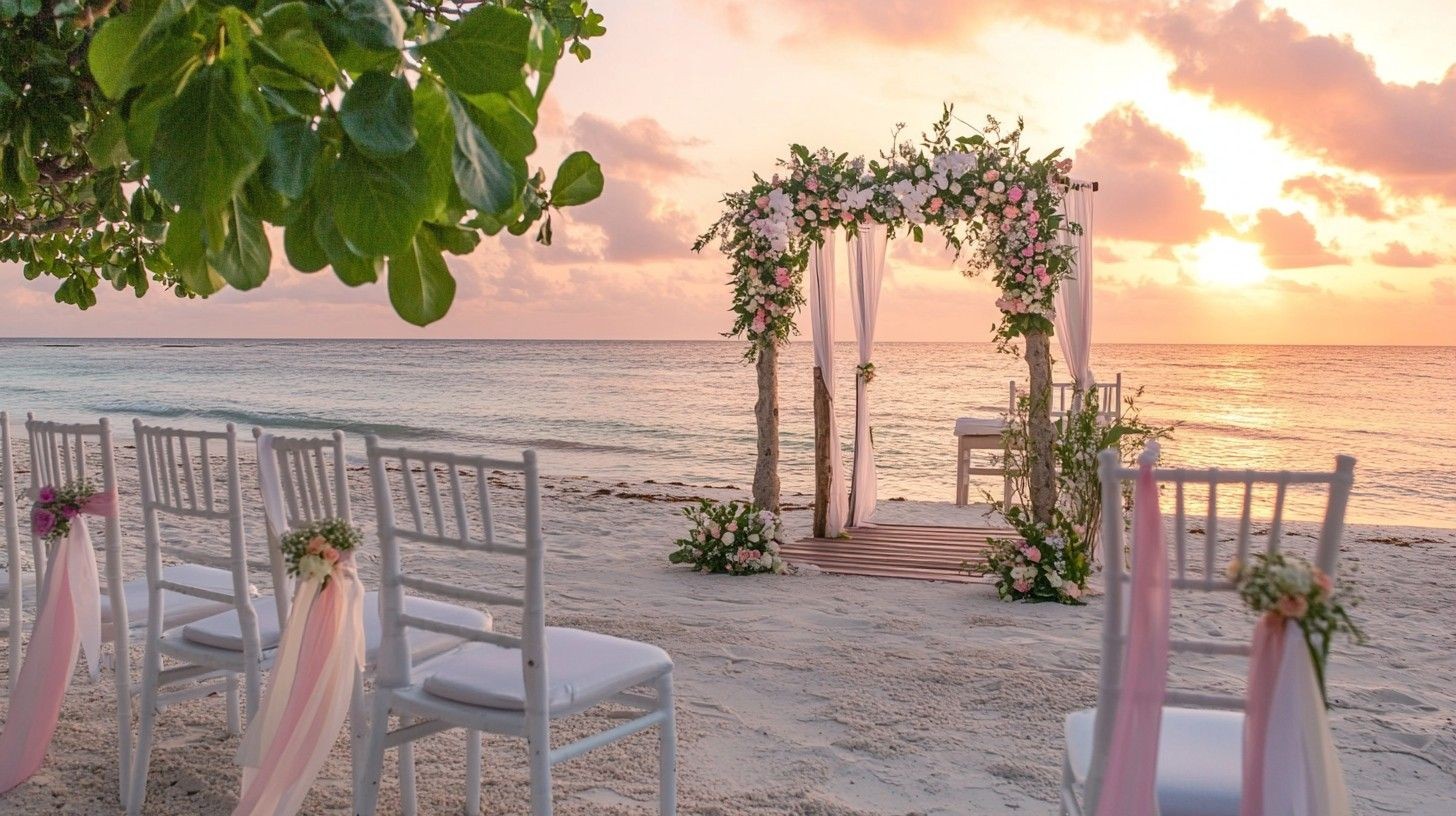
(682, 411)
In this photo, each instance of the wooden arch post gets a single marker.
(766, 416)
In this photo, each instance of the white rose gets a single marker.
(753, 538)
(727, 538)
(314, 566)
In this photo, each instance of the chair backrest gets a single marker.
(1064, 396)
(10, 528)
(180, 477)
(313, 485)
(1201, 569)
(62, 453)
(453, 509)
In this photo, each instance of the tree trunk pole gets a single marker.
(821, 454)
(1041, 467)
(766, 413)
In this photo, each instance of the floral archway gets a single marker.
(999, 208)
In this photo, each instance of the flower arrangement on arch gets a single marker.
(55, 508)
(1045, 563)
(734, 537)
(1291, 588)
(315, 550)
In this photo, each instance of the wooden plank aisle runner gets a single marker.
(899, 551)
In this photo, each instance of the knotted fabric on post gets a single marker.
(68, 622)
(1131, 775)
(821, 318)
(312, 681)
(1289, 763)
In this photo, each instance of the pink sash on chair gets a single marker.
(1131, 774)
(68, 622)
(1290, 765)
(308, 694)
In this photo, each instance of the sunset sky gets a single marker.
(1269, 173)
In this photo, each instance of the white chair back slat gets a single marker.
(440, 522)
(1113, 476)
(14, 569)
(1064, 398)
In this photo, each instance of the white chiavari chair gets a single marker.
(179, 479)
(61, 453)
(312, 478)
(1201, 744)
(513, 685)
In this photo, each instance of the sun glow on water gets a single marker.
(1225, 261)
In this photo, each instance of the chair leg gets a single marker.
(408, 797)
(667, 749)
(540, 769)
(234, 712)
(472, 772)
(366, 792)
(123, 714)
(137, 788)
(962, 478)
(358, 731)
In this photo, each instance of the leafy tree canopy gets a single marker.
(149, 141)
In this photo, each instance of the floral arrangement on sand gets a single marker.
(734, 537)
(1291, 588)
(315, 550)
(56, 507)
(1046, 563)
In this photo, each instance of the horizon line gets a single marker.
(74, 339)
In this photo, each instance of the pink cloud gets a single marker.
(1444, 290)
(1339, 196)
(637, 226)
(1104, 254)
(1288, 241)
(1398, 254)
(641, 148)
(1318, 92)
(1145, 194)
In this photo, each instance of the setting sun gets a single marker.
(1228, 262)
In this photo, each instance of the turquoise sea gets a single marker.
(682, 411)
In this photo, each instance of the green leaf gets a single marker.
(437, 139)
(293, 151)
(454, 240)
(378, 114)
(348, 265)
(209, 139)
(290, 38)
(578, 180)
(110, 54)
(379, 202)
(420, 285)
(485, 51)
(187, 250)
(167, 13)
(485, 179)
(301, 245)
(372, 24)
(510, 130)
(244, 256)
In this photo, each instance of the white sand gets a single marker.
(821, 695)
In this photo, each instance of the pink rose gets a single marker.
(1022, 585)
(1324, 582)
(316, 545)
(70, 511)
(991, 175)
(1071, 590)
(42, 521)
(1015, 194)
(1033, 216)
(1293, 606)
(935, 204)
(1010, 211)
(1026, 252)
(46, 495)
(329, 554)
(812, 184)
(1032, 554)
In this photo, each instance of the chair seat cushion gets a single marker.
(177, 609)
(583, 669)
(223, 632)
(977, 426)
(1200, 759)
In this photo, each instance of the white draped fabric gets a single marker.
(866, 273)
(1074, 296)
(821, 315)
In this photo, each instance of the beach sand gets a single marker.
(815, 694)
